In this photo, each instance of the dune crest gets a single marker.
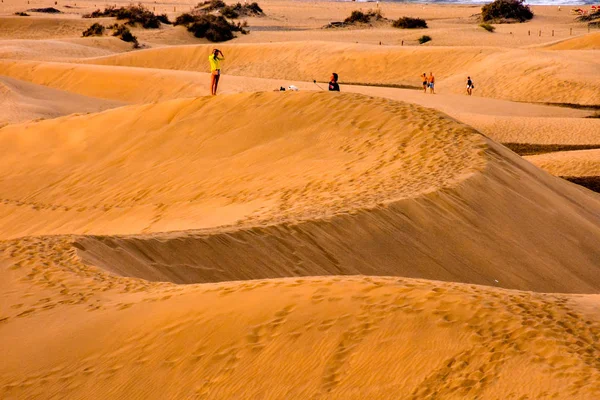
(513, 74)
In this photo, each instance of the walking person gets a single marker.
(470, 86)
(215, 69)
(431, 83)
(425, 82)
(333, 83)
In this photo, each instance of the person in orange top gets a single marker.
(215, 69)
(431, 83)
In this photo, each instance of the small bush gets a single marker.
(359, 17)
(506, 10)
(163, 18)
(133, 14)
(22, 14)
(233, 11)
(125, 34)
(94, 30)
(211, 5)
(488, 27)
(185, 19)
(47, 10)
(212, 27)
(424, 39)
(409, 23)
(229, 12)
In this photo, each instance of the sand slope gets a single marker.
(57, 50)
(325, 337)
(586, 42)
(377, 194)
(522, 75)
(569, 163)
(23, 101)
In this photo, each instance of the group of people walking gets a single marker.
(215, 72)
(428, 82)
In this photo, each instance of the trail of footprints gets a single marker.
(522, 324)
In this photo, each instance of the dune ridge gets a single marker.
(23, 101)
(398, 179)
(512, 74)
(357, 245)
(322, 337)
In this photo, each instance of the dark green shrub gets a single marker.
(185, 19)
(125, 34)
(47, 10)
(230, 12)
(506, 10)
(133, 14)
(359, 17)
(255, 8)
(94, 30)
(424, 39)
(211, 5)
(214, 28)
(22, 14)
(488, 27)
(409, 23)
(163, 18)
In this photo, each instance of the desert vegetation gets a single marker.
(94, 30)
(215, 28)
(505, 11)
(409, 23)
(424, 39)
(360, 17)
(119, 30)
(488, 27)
(229, 11)
(135, 15)
(46, 10)
(21, 14)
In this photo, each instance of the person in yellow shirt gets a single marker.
(215, 69)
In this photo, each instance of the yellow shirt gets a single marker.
(215, 63)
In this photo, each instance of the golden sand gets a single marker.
(377, 243)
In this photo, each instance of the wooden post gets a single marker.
(552, 32)
(528, 33)
(570, 31)
(540, 34)
(402, 43)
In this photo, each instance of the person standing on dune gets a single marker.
(333, 83)
(470, 86)
(431, 83)
(215, 69)
(425, 82)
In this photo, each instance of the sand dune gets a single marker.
(521, 75)
(324, 337)
(586, 42)
(42, 27)
(376, 195)
(569, 163)
(60, 50)
(538, 130)
(22, 101)
(276, 245)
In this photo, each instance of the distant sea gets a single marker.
(530, 2)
